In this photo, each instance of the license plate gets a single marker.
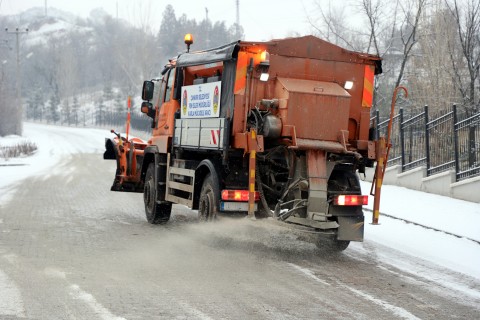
(235, 206)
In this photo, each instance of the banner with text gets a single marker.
(201, 100)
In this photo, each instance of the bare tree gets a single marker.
(410, 13)
(465, 58)
(430, 81)
(373, 12)
(390, 30)
(393, 34)
(332, 25)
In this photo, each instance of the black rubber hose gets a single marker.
(260, 191)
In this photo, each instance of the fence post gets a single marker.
(427, 140)
(455, 141)
(471, 145)
(402, 139)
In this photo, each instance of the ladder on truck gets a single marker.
(180, 182)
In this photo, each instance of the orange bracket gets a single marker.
(383, 149)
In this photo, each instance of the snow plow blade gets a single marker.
(129, 157)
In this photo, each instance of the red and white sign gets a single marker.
(214, 137)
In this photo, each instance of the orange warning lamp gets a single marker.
(264, 65)
(188, 40)
(265, 58)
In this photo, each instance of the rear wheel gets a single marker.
(156, 212)
(208, 202)
(341, 182)
(332, 245)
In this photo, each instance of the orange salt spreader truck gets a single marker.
(273, 129)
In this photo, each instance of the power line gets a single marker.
(238, 16)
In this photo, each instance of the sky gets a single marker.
(262, 20)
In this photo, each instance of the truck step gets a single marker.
(179, 184)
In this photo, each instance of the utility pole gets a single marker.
(45, 8)
(208, 31)
(17, 33)
(237, 27)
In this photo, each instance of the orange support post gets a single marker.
(251, 176)
(129, 108)
(383, 149)
(378, 179)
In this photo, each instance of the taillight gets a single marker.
(350, 200)
(238, 195)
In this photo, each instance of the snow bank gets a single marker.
(53, 144)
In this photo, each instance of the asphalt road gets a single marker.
(72, 249)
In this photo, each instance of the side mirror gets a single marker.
(147, 90)
(148, 109)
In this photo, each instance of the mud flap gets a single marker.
(351, 228)
(109, 153)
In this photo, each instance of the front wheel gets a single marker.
(156, 212)
(208, 202)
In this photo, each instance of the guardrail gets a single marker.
(441, 144)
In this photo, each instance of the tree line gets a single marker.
(79, 75)
(430, 47)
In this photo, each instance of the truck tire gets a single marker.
(346, 181)
(156, 213)
(208, 202)
(335, 245)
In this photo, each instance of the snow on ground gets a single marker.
(53, 143)
(454, 216)
(458, 217)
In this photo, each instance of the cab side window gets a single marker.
(162, 91)
(168, 89)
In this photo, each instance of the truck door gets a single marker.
(166, 113)
(167, 106)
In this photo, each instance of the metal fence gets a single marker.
(138, 121)
(441, 144)
(467, 147)
(395, 156)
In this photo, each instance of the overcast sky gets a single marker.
(261, 19)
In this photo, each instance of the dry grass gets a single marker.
(24, 148)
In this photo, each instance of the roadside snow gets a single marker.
(53, 144)
(452, 215)
(459, 217)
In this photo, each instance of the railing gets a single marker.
(440, 144)
(139, 122)
(395, 156)
(413, 140)
(467, 147)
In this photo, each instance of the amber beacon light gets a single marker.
(188, 40)
(264, 65)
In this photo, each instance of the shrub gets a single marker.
(24, 148)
